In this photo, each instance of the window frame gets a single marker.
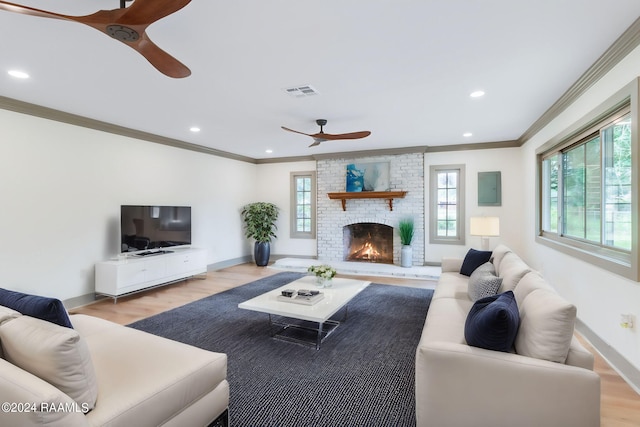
(619, 261)
(294, 233)
(459, 238)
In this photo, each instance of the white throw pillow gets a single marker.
(546, 326)
(54, 353)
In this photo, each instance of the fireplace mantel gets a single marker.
(388, 195)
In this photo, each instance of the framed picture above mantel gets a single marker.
(361, 177)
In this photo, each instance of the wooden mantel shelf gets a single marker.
(388, 195)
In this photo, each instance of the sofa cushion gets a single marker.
(529, 283)
(49, 309)
(473, 260)
(7, 314)
(42, 403)
(512, 269)
(452, 285)
(496, 256)
(546, 326)
(168, 375)
(483, 282)
(445, 320)
(53, 353)
(492, 322)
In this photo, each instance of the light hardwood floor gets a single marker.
(620, 404)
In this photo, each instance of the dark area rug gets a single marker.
(363, 375)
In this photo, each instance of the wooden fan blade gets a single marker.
(295, 131)
(333, 137)
(149, 11)
(26, 10)
(127, 26)
(161, 60)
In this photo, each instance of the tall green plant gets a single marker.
(260, 221)
(405, 228)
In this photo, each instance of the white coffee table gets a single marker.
(335, 298)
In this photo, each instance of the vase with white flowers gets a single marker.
(324, 273)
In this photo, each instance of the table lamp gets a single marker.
(485, 227)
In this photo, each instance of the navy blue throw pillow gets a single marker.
(49, 309)
(492, 322)
(473, 260)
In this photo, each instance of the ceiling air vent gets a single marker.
(301, 91)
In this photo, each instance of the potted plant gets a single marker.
(260, 224)
(405, 228)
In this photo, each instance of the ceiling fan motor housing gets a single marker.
(123, 34)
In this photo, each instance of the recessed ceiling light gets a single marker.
(467, 134)
(194, 129)
(268, 151)
(477, 94)
(18, 74)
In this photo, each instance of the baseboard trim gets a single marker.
(229, 263)
(81, 300)
(617, 361)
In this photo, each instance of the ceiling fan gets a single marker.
(126, 24)
(322, 137)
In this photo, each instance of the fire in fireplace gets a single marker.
(368, 242)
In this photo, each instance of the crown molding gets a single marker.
(626, 43)
(477, 146)
(77, 120)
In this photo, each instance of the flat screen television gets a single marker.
(152, 227)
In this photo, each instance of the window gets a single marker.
(587, 187)
(447, 204)
(587, 190)
(303, 205)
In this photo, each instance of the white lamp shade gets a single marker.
(487, 226)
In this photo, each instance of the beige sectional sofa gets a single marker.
(460, 385)
(99, 373)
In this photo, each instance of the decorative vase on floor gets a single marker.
(406, 256)
(261, 252)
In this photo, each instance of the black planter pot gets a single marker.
(261, 252)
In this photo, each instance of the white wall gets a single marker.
(273, 185)
(61, 188)
(600, 296)
(505, 160)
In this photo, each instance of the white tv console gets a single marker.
(133, 273)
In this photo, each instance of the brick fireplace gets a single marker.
(406, 172)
